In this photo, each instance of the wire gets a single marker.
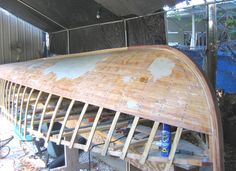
(8, 151)
(3, 144)
(95, 145)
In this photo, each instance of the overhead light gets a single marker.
(166, 8)
(98, 16)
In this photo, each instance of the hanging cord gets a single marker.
(95, 145)
(3, 144)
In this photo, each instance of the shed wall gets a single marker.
(19, 40)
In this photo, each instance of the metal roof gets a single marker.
(56, 15)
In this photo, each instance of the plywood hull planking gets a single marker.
(141, 84)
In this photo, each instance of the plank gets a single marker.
(149, 143)
(129, 137)
(34, 110)
(93, 129)
(44, 111)
(9, 98)
(13, 100)
(110, 133)
(4, 92)
(26, 111)
(65, 121)
(21, 108)
(72, 141)
(173, 149)
(6, 95)
(52, 120)
(17, 103)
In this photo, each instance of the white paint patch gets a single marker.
(161, 67)
(132, 105)
(127, 79)
(75, 67)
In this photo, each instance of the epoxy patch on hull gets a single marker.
(161, 67)
(72, 68)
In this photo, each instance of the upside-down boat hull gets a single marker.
(148, 83)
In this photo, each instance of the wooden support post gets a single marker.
(71, 159)
(129, 138)
(65, 121)
(173, 148)
(110, 133)
(26, 112)
(43, 113)
(52, 120)
(93, 129)
(34, 110)
(72, 141)
(149, 143)
(21, 108)
(17, 102)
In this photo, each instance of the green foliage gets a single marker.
(177, 16)
(231, 22)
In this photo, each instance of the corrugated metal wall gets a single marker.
(19, 40)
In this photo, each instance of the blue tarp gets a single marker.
(226, 66)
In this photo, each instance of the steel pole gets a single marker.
(210, 63)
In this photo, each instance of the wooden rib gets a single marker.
(17, 102)
(26, 111)
(34, 110)
(53, 119)
(44, 111)
(110, 133)
(9, 99)
(21, 108)
(9, 102)
(173, 149)
(149, 143)
(2, 85)
(13, 101)
(72, 141)
(2, 91)
(5, 96)
(129, 138)
(93, 129)
(65, 121)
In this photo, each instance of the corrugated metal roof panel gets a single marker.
(19, 40)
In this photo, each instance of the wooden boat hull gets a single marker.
(149, 83)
